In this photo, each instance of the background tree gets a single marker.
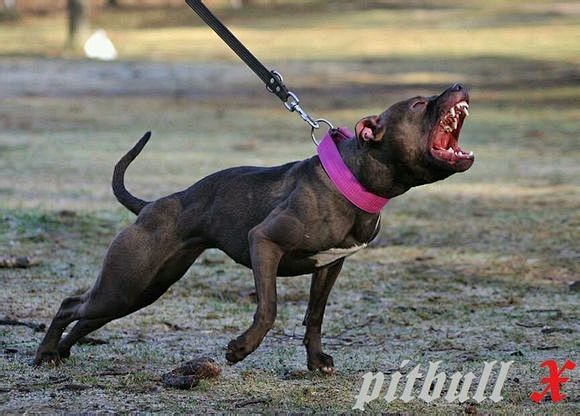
(78, 16)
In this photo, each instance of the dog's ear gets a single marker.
(370, 129)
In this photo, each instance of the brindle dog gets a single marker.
(279, 221)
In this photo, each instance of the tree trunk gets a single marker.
(113, 3)
(78, 16)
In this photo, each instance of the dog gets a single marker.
(279, 221)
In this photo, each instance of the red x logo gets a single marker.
(553, 381)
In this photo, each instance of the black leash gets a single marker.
(273, 79)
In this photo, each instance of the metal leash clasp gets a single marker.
(292, 104)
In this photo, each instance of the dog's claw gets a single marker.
(328, 370)
(48, 357)
(323, 362)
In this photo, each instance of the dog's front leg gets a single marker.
(266, 256)
(320, 287)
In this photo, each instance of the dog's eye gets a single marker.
(419, 104)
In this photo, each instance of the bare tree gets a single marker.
(78, 16)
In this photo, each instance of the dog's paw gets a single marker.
(237, 351)
(321, 361)
(63, 352)
(47, 357)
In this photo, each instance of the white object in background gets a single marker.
(99, 46)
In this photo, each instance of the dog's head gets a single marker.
(420, 136)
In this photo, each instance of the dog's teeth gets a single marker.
(450, 150)
(470, 153)
(452, 111)
(447, 129)
(466, 112)
(454, 123)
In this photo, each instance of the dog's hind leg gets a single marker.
(320, 287)
(89, 310)
(172, 271)
(81, 328)
(67, 313)
(139, 267)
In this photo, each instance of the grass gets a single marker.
(501, 28)
(472, 269)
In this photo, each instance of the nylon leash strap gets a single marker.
(273, 79)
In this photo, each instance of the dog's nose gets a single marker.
(456, 87)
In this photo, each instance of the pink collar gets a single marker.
(342, 177)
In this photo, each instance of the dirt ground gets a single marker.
(481, 267)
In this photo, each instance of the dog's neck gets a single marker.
(377, 176)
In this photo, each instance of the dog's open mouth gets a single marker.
(445, 138)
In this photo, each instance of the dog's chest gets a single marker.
(323, 258)
(326, 257)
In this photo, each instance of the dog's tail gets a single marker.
(131, 202)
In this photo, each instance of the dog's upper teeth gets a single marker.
(452, 111)
(450, 150)
(447, 129)
(470, 153)
(466, 112)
